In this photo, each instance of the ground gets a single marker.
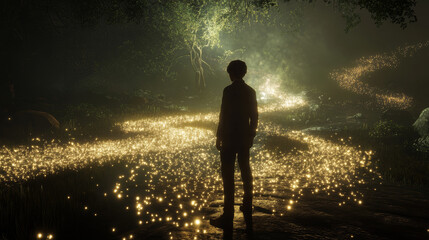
(161, 180)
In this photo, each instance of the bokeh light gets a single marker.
(173, 167)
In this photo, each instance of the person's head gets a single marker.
(236, 69)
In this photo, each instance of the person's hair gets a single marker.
(237, 68)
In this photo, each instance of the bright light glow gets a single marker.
(272, 98)
(197, 221)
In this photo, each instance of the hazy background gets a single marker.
(74, 63)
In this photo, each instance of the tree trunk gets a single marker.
(197, 64)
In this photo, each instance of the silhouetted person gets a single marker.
(237, 128)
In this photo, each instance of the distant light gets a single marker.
(350, 78)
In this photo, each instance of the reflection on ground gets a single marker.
(174, 173)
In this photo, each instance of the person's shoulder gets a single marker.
(227, 89)
(250, 89)
(230, 87)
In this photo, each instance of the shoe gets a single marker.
(222, 222)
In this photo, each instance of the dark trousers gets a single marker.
(227, 157)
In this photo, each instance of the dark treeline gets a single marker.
(72, 51)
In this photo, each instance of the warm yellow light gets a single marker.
(197, 221)
(350, 78)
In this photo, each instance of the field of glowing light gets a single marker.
(173, 169)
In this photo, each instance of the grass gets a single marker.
(400, 166)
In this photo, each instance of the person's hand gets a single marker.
(251, 142)
(251, 138)
(218, 144)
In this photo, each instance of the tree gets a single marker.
(395, 11)
(197, 25)
(190, 26)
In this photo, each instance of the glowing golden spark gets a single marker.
(350, 78)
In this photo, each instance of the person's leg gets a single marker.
(246, 177)
(227, 167)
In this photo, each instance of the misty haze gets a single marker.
(116, 117)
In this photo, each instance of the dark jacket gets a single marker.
(238, 116)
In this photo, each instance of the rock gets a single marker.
(422, 128)
(315, 129)
(400, 117)
(30, 122)
(422, 123)
(356, 116)
(422, 144)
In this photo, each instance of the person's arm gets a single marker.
(219, 132)
(253, 115)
